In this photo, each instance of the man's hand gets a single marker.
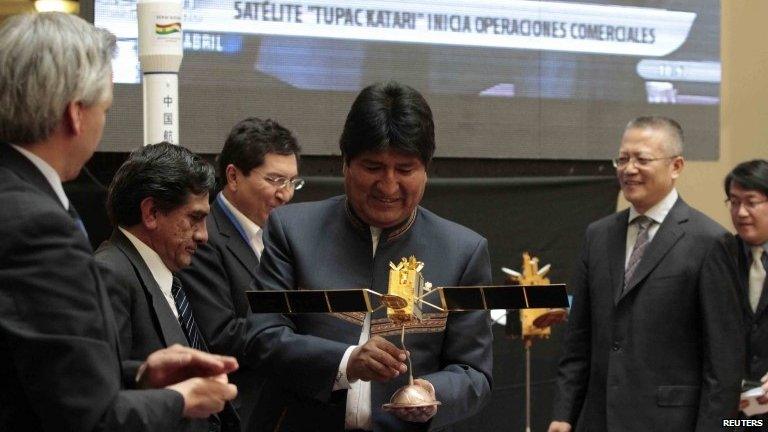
(376, 360)
(559, 426)
(179, 363)
(762, 400)
(205, 396)
(418, 415)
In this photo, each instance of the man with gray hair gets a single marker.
(654, 339)
(60, 365)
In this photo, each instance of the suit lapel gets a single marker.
(763, 303)
(737, 252)
(26, 170)
(235, 242)
(617, 250)
(170, 328)
(668, 234)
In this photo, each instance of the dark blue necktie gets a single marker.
(186, 319)
(76, 217)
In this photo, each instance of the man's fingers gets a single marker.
(384, 359)
(389, 348)
(178, 363)
(416, 414)
(204, 396)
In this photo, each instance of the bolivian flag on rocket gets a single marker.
(166, 29)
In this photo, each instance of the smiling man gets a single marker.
(158, 202)
(348, 242)
(259, 172)
(654, 336)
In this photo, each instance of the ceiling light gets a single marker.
(67, 6)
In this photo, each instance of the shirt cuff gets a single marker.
(341, 381)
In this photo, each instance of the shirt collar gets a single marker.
(748, 248)
(48, 172)
(658, 212)
(249, 226)
(387, 234)
(157, 267)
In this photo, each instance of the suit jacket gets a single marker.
(755, 322)
(60, 365)
(667, 353)
(144, 318)
(323, 245)
(216, 281)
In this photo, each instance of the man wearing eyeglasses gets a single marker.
(746, 188)
(653, 339)
(258, 167)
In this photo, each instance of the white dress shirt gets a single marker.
(252, 231)
(160, 272)
(358, 413)
(656, 213)
(48, 172)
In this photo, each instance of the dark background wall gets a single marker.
(542, 207)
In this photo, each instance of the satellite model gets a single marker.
(407, 294)
(536, 323)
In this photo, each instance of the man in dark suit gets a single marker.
(746, 189)
(258, 167)
(60, 364)
(654, 336)
(349, 241)
(158, 202)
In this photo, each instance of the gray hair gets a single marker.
(673, 129)
(48, 60)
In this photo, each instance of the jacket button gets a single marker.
(616, 346)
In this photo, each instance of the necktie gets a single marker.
(186, 319)
(644, 225)
(195, 339)
(756, 276)
(76, 217)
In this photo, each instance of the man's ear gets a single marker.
(73, 118)
(678, 164)
(148, 213)
(230, 175)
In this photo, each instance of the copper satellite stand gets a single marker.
(406, 295)
(535, 322)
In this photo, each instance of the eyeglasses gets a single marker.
(622, 161)
(734, 204)
(284, 182)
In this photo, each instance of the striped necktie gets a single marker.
(643, 237)
(186, 319)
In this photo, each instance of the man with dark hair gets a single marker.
(349, 242)
(60, 366)
(746, 191)
(258, 167)
(653, 342)
(158, 201)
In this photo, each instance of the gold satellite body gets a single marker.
(406, 287)
(532, 275)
